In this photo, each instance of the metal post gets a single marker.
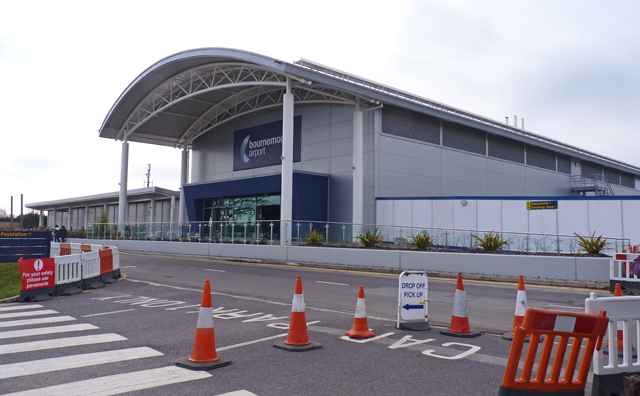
(124, 170)
(326, 233)
(286, 188)
(11, 216)
(21, 213)
(358, 167)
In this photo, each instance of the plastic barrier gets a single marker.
(91, 278)
(116, 260)
(68, 275)
(55, 249)
(620, 272)
(65, 248)
(609, 370)
(85, 248)
(76, 248)
(106, 266)
(37, 281)
(632, 249)
(557, 326)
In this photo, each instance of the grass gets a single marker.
(9, 280)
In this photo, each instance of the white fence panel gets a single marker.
(619, 309)
(620, 267)
(55, 249)
(90, 264)
(76, 248)
(68, 269)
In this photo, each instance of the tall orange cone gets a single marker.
(297, 338)
(360, 327)
(618, 293)
(204, 356)
(521, 308)
(460, 315)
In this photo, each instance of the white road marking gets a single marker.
(239, 393)
(333, 283)
(108, 313)
(25, 322)
(60, 343)
(20, 306)
(46, 330)
(250, 342)
(121, 383)
(28, 313)
(75, 361)
(214, 270)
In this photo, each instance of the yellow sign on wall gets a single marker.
(533, 205)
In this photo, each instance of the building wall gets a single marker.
(606, 216)
(326, 148)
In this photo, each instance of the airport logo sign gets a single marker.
(261, 145)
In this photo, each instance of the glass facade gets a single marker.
(230, 215)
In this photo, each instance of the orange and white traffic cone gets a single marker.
(460, 315)
(618, 293)
(360, 327)
(204, 356)
(297, 338)
(521, 308)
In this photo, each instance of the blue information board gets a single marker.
(25, 244)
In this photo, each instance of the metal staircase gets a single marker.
(596, 183)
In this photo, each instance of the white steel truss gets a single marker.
(260, 88)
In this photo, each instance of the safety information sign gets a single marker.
(412, 296)
(37, 273)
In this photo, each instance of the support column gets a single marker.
(184, 170)
(55, 214)
(286, 190)
(69, 219)
(152, 218)
(123, 204)
(41, 219)
(86, 217)
(358, 167)
(172, 216)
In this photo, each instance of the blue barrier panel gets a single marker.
(25, 244)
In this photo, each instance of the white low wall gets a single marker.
(580, 269)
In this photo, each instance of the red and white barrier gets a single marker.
(608, 370)
(116, 260)
(91, 278)
(620, 272)
(68, 275)
(76, 248)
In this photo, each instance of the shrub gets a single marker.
(490, 242)
(370, 238)
(591, 244)
(315, 238)
(423, 240)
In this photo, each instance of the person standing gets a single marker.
(56, 234)
(63, 234)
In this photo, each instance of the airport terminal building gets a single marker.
(264, 139)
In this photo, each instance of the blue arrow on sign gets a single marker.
(408, 307)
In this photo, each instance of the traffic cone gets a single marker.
(297, 338)
(521, 308)
(618, 293)
(204, 356)
(460, 316)
(360, 327)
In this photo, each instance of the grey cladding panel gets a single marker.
(463, 138)
(541, 158)
(627, 180)
(612, 175)
(564, 164)
(405, 123)
(589, 168)
(507, 149)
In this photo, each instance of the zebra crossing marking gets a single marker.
(60, 343)
(120, 383)
(25, 322)
(74, 361)
(17, 307)
(28, 313)
(46, 330)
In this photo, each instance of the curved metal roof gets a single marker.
(187, 94)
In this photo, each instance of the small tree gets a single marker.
(100, 220)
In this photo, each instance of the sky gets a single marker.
(568, 67)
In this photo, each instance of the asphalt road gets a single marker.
(150, 318)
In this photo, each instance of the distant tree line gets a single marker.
(30, 219)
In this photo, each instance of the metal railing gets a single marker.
(339, 234)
